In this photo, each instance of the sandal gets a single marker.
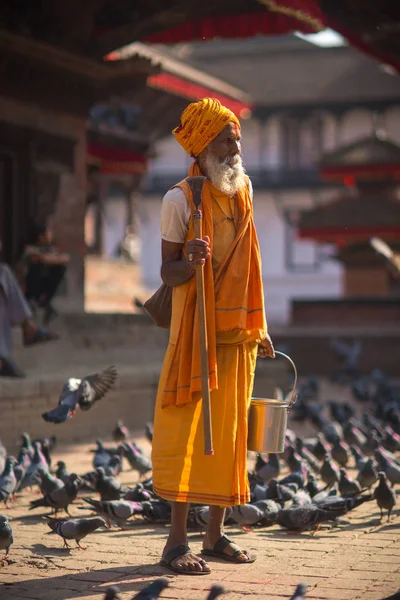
(181, 550)
(41, 335)
(218, 552)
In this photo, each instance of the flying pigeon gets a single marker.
(112, 593)
(6, 535)
(61, 498)
(83, 392)
(152, 591)
(118, 511)
(300, 592)
(75, 529)
(215, 591)
(385, 495)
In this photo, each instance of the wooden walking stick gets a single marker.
(196, 185)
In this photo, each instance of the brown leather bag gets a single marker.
(159, 306)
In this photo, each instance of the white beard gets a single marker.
(228, 176)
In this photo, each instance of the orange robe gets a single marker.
(181, 471)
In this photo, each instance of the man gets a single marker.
(236, 330)
(14, 310)
(41, 270)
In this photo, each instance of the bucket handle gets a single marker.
(293, 395)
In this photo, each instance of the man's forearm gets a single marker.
(176, 272)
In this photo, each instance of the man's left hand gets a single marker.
(266, 348)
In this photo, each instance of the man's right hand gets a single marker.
(198, 251)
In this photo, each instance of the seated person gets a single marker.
(41, 269)
(14, 310)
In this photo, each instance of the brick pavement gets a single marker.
(360, 560)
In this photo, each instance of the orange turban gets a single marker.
(201, 122)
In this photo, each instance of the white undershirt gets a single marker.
(175, 215)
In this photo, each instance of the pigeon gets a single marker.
(321, 447)
(305, 453)
(313, 487)
(152, 591)
(348, 486)
(38, 463)
(3, 456)
(387, 465)
(137, 494)
(301, 498)
(47, 445)
(300, 592)
(61, 472)
(295, 462)
(298, 478)
(329, 472)
(114, 467)
(102, 457)
(368, 475)
(281, 493)
(385, 495)
(199, 516)
(118, 511)
(83, 392)
(341, 452)
(8, 481)
(359, 457)
(23, 462)
(391, 441)
(61, 498)
(112, 593)
(148, 431)
(138, 461)
(6, 535)
(108, 487)
(302, 518)
(215, 591)
(341, 503)
(26, 443)
(48, 483)
(353, 435)
(157, 511)
(75, 529)
(325, 493)
(332, 431)
(250, 514)
(267, 469)
(120, 433)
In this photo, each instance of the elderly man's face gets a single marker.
(227, 143)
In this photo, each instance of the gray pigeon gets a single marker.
(83, 392)
(301, 498)
(121, 433)
(61, 472)
(48, 483)
(303, 518)
(6, 535)
(215, 591)
(108, 487)
(138, 461)
(118, 511)
(348, 486)
(267, 470)
(359, 457)
(8, 481)
(385, 495)
(61, 498)
(199, 516)
(300, 592)
(152, 591)
(75, 529)
(368, 475)
(342, 503)
(112, 593)
(249, 514)
(32, 473)
(341, 452)
(102, 457)
(3, 456)
(329, 472)
(387, 465)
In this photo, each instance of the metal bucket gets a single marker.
(268, 420)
